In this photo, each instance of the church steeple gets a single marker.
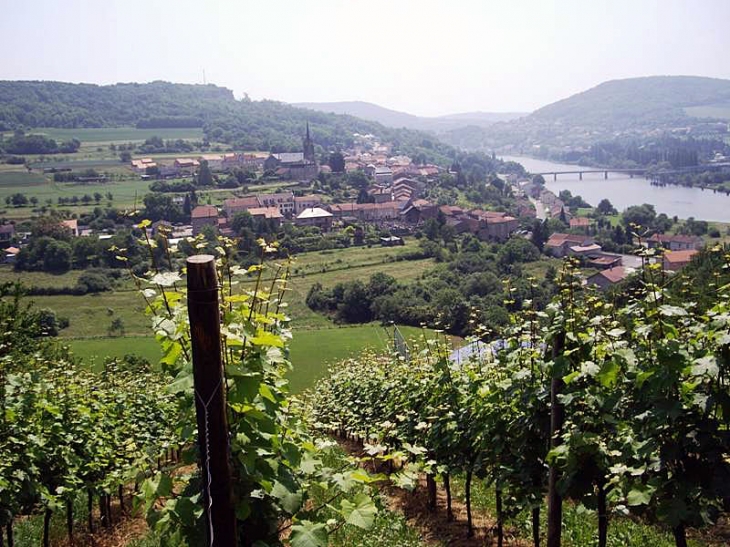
(308, 147)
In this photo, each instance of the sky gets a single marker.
(426, 57)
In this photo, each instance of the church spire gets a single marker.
(308, 147)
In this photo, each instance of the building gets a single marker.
(140, 165)
(233, 206)
(391, 241)
(315, 216)
(72, 225)
(673, 242)
(383, 175)
(186, 165)
(306, 202)
(11, 255)
(582, 223)
(559, 244)
(295, 165)
(204, 215)
(419, 211)
(283, 200)
(673, 261)
(367, 212)
(608, 278)
(267, 213)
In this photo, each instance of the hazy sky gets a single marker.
(426, 57)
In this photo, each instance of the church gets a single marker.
(300, 166)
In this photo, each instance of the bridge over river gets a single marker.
(653, 175)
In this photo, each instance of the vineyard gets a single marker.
(622, 407)
(68, 433)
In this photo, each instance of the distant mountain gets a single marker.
(394, 118)
(635, 107)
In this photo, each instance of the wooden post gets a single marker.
(210, 401)
(555, 501)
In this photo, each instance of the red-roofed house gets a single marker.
(608, 278)
(674, 243)
(673, 261)
(559, 244)
(580, 222)
(204, 215)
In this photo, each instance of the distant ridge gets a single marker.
(394, 118)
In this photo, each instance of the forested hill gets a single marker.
(632, 107)
(245, 124)
(638, 101)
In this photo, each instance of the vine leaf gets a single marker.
(361, 513)
(308, 534)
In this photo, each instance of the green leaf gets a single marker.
(308, 534)
(289, 501)
(640, 495)
(609, 374)
(361, 513)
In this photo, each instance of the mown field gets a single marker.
(316, 344)
(118, 134)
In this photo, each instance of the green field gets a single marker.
(312, 352)
(106, 135)
(317, 342)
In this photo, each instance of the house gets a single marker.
(559, 244)
(215, 161)
(419, 210)
(367, 212)
(673, 242)
(295, 165)
(7, 232)
(383, 175)
(267, 213)
(315, 216)
(380, 194)
(306, 202)
(673, 261)
(607, 278)
(72, 225)
(499, 228)
(603, 261)
(186, 165)
(204, 215)
(140, 165)
(233, 206)
(580, 222)
(283, 200)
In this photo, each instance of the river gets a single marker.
(623, 191)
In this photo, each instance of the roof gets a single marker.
(204, 211)
(579, 222)
(12, 250)
(246, 201)
(187, 162)
(585, 249)
(678, 257)
(211, 157)
(72, 224)
(7, 228)
(664, 238)
(289, 157)
(266, 212)
(614, 275)
(559, 239)
(313, 212)
(308, 197)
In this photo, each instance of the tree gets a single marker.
(116, 328)
(57, 257)
(125, 157)
(605, 207)
(639, 215)
(538, 180)
(539, 234)
(205, 177)
(337, 162)
(18, 199)
(33, 201)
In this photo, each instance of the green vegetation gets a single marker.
(622, 402)
(106, 135)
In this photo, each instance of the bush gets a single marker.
(93, 282)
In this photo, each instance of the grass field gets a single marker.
(106, 135)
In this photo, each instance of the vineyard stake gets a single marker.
(555, 501)
(210, 403)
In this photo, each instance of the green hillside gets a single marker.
(244, 124)
(636, 101)
(632, 107)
